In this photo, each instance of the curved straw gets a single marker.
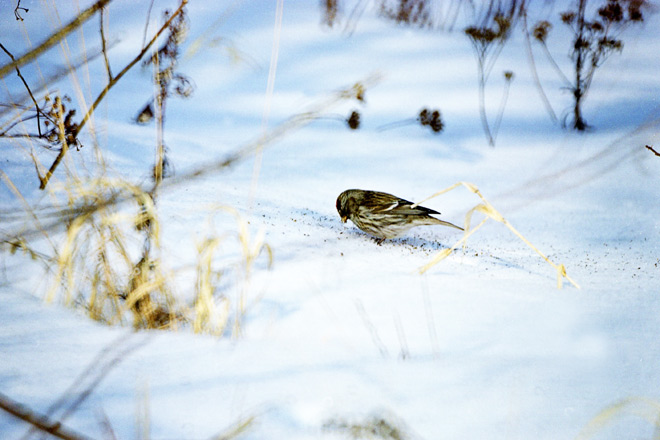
(490, 212)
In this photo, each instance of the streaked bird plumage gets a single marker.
(384, 215)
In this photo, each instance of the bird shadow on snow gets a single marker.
(409, 241)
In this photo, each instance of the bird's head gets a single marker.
(345, 205)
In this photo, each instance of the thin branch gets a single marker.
(36, 106)
(91, 377)
(39, 421)
(104, 49)
(482, 94)
(11, 124)
(146, 24)
(491, 58)
(159, 110)
(353, 18)
(378, 342)
(22, 135)
(500, 113)
(553, 63)
(104, 422)
(395, 124)
(55, 38)
(652, 150)
(17, 10)
(59, 74)
(107, 88)
(535, 74)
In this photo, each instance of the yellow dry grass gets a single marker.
(641, 407)
(103, 235)
(213, 312)
(489, 212)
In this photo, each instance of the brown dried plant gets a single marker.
(431, 118)
(488, 41)
(594, 40)
(63, 131)
(107, 261)
(408, 12)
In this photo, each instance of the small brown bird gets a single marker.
(384, 215)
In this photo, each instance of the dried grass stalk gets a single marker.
(489, 211)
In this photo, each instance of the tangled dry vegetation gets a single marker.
(98, 235)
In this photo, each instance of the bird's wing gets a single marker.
(405, 207)
(383, 202)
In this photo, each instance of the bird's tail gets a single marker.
(442, 222)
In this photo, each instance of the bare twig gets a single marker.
(372, 329)
(555, 66)
(106, 427)
(104, 48)
(488, 43)
(36, 106)
(97, 370)
(59, 74)
(17, 10)
(482, 108)
(535, 74)
(146, 23)
(354, 16)
(508, 77)
(159, 107)
(403, 342)
(39, 421)
(54, 39)
(13, 124)
(652, 150)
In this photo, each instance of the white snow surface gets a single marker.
(482, 346)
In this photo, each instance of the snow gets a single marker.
(483, 345)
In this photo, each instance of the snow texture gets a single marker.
(483, 345)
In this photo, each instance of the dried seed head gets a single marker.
(581, 44)
(568, 17)
(424, 117)
(330, 12)
(431, 118)
(359, 92)
(146, 115)
(541, 30)
(612, 12)
(436, 122)
(408, 12)
(503, 25)
(611, 44)
(353, 120)
(634, 10)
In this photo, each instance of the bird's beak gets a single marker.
(343, 219)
